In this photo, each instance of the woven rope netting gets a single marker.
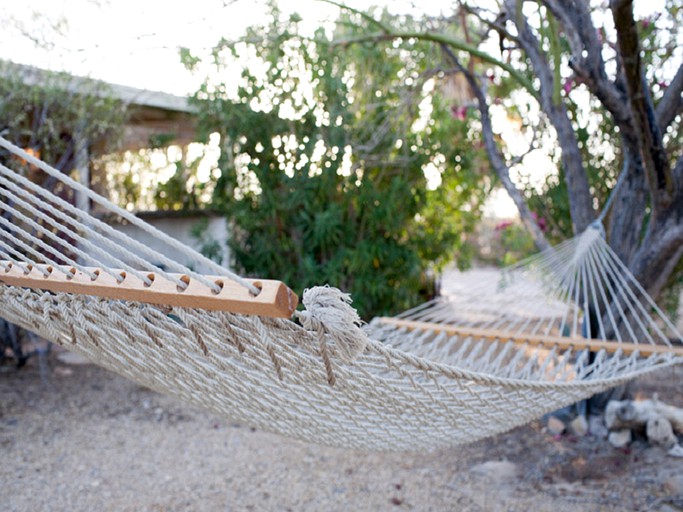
(451, 371)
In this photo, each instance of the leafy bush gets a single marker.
(326, 153)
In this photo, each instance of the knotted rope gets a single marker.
(329, 313)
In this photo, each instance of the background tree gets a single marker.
(342, 165)
(56, 115)
(55, 118)
(607, 88)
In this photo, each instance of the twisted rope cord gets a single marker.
(159, 235)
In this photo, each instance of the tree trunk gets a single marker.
(661, 249)
(625, 224)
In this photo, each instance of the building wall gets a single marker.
(180, 228)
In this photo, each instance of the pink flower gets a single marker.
(568, 85)
(540, 222)
(503, 225)
(459, 112)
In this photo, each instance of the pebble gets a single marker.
(579, 426)
(72, 358)
(676, 451)
(596, 426)
(555, 426)
(497, 470)
(660, 432)
(619, 438)
(673, 485)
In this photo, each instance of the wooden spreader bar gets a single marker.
(274, 300)
(533, 340)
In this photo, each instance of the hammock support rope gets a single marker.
(545, 333)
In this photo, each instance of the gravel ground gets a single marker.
(76, 437)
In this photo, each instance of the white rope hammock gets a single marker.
(451, 371)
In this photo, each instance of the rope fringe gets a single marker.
(329, 313)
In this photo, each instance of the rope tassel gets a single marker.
(329, 313)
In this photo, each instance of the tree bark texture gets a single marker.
(649, 135)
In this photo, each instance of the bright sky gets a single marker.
(135, 42)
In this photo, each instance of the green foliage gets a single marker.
(180, 192)
(208, 246)
(516, 244)
(504, 243)
(671, 297)
(324, 152)
(46, 111)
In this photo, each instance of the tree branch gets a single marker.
(495, 156)
(580, 200)
(567, 20)
(652, 151)
(449, 41)
(580, 31)
(671, 103)
(360, 13)
(492, 25)
(678, 169)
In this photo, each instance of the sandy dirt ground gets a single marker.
(74, 437)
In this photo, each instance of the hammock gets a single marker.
(564, 325)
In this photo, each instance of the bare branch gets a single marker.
(495, 156)
(587, 62)
(678, 169)
(569, 21)
(671, 103)
(532, 146)
(360, 13)
(649, 136)
(580, 199)
(449, 41)
(492, 25)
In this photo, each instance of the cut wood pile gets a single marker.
(625, 420)
(659, 421)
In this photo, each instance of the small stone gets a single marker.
(579, 426)
(620, 438)
(63, 371)
(676, 451)
(497, 470)
(596, 426)
(673, 485)
(660, 432)
(72, 358)
(555, 426)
